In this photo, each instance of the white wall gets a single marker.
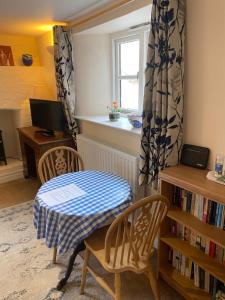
(119, 139)
(205, 75)
(9, 133)
(92, 59)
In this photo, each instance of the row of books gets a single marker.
(201, 278)
(206, 210)
(205, 245)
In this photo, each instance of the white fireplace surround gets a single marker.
(10, 119)
(13, 114)
(17, 85)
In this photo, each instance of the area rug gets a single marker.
(27, 272)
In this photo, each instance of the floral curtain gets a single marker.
(162, 130)
(64, 71)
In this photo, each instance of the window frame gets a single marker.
(123, 37)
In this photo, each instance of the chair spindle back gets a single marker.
(57, 161)
(130, 237)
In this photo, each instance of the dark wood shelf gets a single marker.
(34, 145)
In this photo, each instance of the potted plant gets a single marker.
(114, 111)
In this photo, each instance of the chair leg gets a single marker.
(54, 255)
(154, 284)
(84, 271)
(117, 286)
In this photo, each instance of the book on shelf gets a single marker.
(218, 290)
(191, 270)
(206, 210)
(200, 214)
(200, 242)
(200, 277)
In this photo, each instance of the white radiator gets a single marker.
(103, 157)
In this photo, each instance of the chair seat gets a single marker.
(96, 243)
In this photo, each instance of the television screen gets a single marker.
(47, 114)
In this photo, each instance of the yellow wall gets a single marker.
(205, 75)
(19, 83)
(42, 54)
(21, 45)
(45, 47)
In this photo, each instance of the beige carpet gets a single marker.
(26, 271)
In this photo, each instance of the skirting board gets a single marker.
(11, 174)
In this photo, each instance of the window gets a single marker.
(128, 69)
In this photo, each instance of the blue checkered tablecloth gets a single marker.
(65, 225)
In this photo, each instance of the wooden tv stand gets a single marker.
(33, 145)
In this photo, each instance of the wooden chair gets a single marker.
(57, 161)
(127, 244)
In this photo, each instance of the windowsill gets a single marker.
(122, 124)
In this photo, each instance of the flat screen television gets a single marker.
(48, 115)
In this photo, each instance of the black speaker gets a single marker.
(195, 156)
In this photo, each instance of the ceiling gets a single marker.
(140, 16)
(34, 17)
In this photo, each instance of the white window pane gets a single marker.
(129, 93)
(129, 58)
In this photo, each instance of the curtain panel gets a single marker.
(162, 129)
(64, 70)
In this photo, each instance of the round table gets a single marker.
(101, 196)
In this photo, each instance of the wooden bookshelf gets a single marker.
(213, 233)
(200, 258)
(183, 285)
(195, 181)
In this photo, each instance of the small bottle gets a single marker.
(219, 165)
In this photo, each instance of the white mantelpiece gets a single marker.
(10, 119)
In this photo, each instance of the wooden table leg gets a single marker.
(64, 280)
(24, 158)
